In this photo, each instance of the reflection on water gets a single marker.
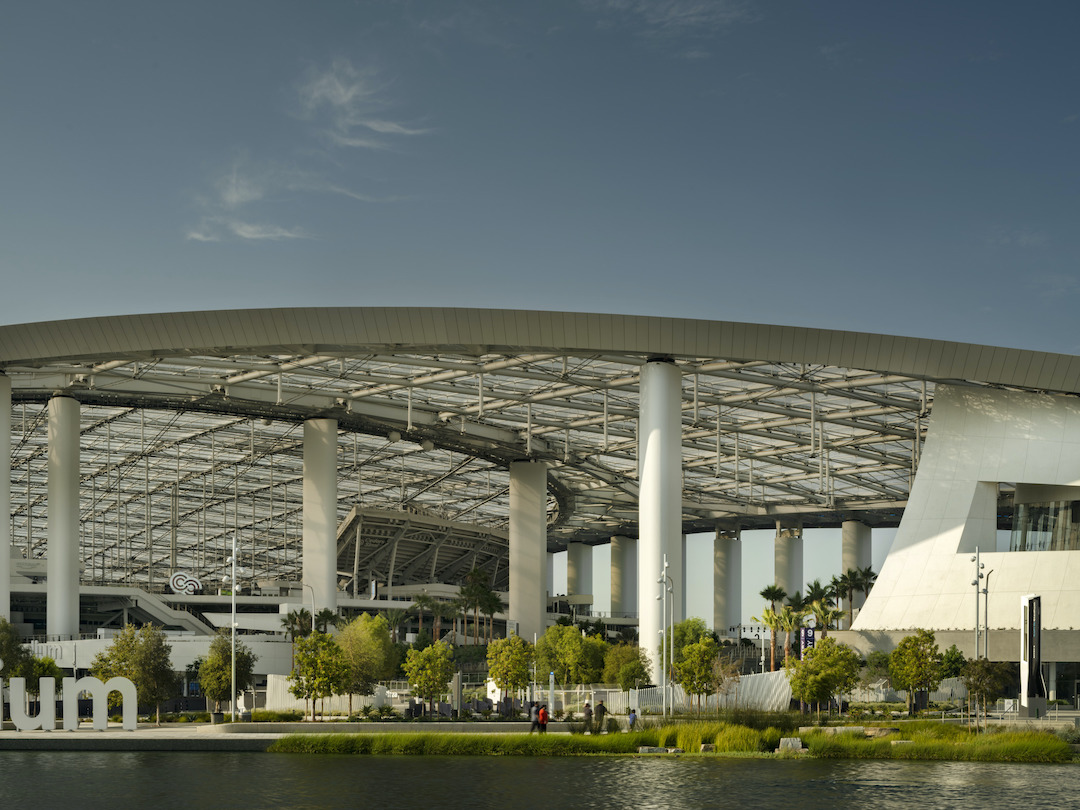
(202, 780)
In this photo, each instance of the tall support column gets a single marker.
(788, 559)
(320, 512)
(5, 497)
(528, 547)
(660, 496)
(727, 581)
(578, 569)
(856, 550)
(62, 556)
(623, 576)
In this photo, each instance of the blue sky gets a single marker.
(905, 168)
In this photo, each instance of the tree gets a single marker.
(422, 602)
(866, 580)
(689, 631)
(772, 594)
(845, 586)
(915, 665)
(141, 655)
(626, 665)
(429, 671)
(13, 656)
(816, 592)
(319, 669)
(771, 619)
(34, 669)
(987, 680)
(593, 652)
(791, 621)
(215, 672)
(394, 618)
(560, 650)
(490, 604)
(510, 662)
(369, 653)
(825, 615)
(826, 671)
(325, 618)
(696, 671)
(953, 663)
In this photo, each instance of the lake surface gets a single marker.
(229, 780)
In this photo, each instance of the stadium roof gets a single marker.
(191, 428)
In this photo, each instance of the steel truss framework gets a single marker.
(180, 450)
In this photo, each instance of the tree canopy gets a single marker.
(215, 671)
(915, 665)
(429, 670)
(510, 663)
(369, 652)
(826, 670)
(13, 656)
(696, 671)
(319, 669)
(626, 665)
(141, 655)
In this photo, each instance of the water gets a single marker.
(228, 780)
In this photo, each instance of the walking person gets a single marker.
(588, 718)
(632, 719)
(601, 711)
(542, 718)
(534, 715)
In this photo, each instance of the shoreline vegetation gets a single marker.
(916, 741)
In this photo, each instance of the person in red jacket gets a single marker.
(543, 718)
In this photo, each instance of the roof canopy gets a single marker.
(191, 424)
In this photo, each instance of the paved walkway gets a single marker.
(172, 737)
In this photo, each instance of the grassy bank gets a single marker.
(928, 741)
(937, 741)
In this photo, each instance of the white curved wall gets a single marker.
(978, 437)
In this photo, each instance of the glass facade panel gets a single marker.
(1051, 526)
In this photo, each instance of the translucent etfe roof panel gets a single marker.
(182, 449)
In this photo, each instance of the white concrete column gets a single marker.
(528, 547)
(623, 575)
(727, 581)
(578, 569)
(660, 496)
(788, 559)
(320, 513)
(550, 576)
(5, 497)
(62, 556)
(856, 550)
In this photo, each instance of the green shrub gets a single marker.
(275, 716)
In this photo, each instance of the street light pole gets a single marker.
(978, 575)
(232, 582)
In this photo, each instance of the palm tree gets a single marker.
(422, 602)
(491, 604)
(474, 591)
(824, 615)
(816, 592)
(461, 611)
(394, 618)
(326, 617)
(771, 619)
(867, 578)
(772, 594)
(845, 586)
(790, 621)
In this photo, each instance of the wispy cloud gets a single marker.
(219, 229)
(673, 18)
(344, 108)
(348, 104)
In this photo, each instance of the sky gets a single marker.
(903, 168)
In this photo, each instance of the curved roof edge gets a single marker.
(316, 330)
